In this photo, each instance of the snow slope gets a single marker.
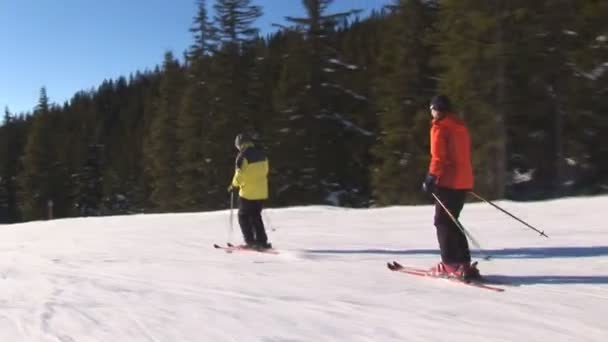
(155, 278)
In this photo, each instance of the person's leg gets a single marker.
(442, 223)
(460, 244)
(245, 210)
(261, 238)
(452, 241)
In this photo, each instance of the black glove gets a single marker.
(429, 183)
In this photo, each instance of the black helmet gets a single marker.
(441, 103)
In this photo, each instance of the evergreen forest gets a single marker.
(340, 103)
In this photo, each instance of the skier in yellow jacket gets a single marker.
(251, 178)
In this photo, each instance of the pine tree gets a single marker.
(194, 165)
(89, 183)
(514, 69)
(4, 201)
(12, 142)
(4, 172)
(538, 67)
(162, 146)
(574, 75)
(135, 186)
(229, 113)
(588, 151)
(308, 110)
(35, 179)
(404, 84)
(234, 21)
(569, 61)
(474, 53)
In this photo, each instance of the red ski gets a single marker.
(229, 248)
(397, 267)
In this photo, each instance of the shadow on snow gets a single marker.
(505, 253)
(549, 279)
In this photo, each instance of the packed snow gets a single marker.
(153, 278)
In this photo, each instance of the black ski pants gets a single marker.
(250, 220)
(452, 241)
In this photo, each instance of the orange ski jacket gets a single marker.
(451, 153)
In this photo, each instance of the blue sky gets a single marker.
(72, 45)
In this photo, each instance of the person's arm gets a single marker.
(439, 152)
(241, 164)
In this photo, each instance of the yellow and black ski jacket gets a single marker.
(251, 173)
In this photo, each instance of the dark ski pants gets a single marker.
(250, 220)
(452, 241)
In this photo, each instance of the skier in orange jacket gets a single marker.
(450, 177)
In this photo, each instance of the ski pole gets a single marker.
(231, 219)
(508, 213)
(461, 227)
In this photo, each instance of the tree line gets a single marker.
(340, 103)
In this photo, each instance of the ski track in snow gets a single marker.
(154, 278)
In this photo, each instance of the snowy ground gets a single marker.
(156, 278)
